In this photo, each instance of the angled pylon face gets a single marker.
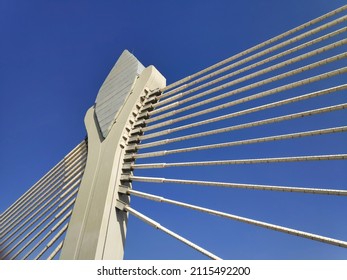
(115, 89)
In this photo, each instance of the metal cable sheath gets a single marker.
(55, 218)
(156, 225)
(46, 209)
(247, 99)
(287, 230)
(45, 181)
(53, 229)
(55, 251)
(246, 111)
(80, 148)
(256, 47)
(46, 188)
(239, 161)
(51, 242)
(245, 125)
(71, 176)
(240, 142)
(180, 95)
(248, 87)
(238, 185)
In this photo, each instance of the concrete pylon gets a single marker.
(96, 229)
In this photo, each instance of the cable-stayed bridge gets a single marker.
(279, 103)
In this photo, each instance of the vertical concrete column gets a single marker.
(96, 229)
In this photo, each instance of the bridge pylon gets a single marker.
(97, 230)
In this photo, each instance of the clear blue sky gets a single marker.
(54, 56)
